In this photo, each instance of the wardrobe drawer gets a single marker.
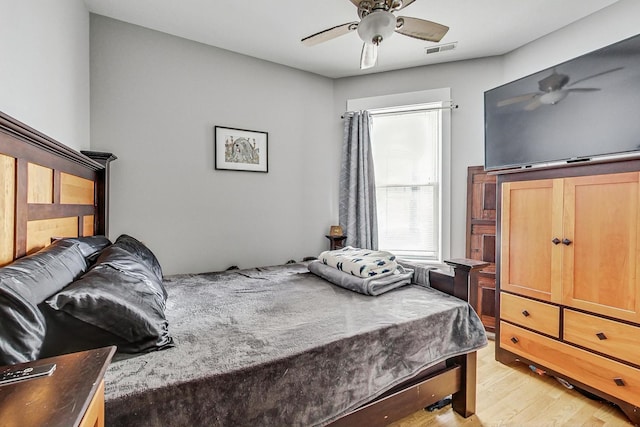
(532, 314)
(611, 377)
(606, 336)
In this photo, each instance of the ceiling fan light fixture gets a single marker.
(552, 98)
(376, 26)
(378, 23)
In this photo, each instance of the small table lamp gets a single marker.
(336, 238)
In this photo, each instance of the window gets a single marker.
(406, 146)
(411, 139)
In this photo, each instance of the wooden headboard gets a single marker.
(47, 190)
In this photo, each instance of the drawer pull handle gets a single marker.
(525, 313)
(566, 242)
(601, 336)
(555, 241)
(619, 382)
(514, 340)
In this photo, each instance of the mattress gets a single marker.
(280, 346)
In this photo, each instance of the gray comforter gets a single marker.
(280, 346)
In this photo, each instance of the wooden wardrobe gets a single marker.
(569, 275)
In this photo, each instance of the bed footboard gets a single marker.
(456, 283)
(458, 379)
(414, 397)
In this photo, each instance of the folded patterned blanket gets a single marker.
(360, 262)
(373, 286)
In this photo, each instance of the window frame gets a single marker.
(421, 98)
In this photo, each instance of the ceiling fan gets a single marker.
(553, 89)
(377, 23)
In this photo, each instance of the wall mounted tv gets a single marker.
(582, 109)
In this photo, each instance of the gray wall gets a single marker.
(155, 99)
(44, 71)
(469, 79)
(614, 23)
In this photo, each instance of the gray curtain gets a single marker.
(357, 211)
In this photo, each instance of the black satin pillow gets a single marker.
(90, 246)
(122, 297)
(141, 252)
(66, 334)
(49, 270)
(23, 285)
(22, 326)
(124, 260)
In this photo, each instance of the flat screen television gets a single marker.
(581, 109)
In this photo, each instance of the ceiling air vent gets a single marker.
(440, 48)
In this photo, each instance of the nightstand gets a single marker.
(73, 395)
(336, 242)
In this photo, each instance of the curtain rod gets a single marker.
(451, 106)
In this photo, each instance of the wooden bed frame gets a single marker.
(49, 190)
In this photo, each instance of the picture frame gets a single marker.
(241, 149)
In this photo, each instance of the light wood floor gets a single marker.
(515, 396)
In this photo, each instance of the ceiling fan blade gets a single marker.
(369, 56)
(533, 104)
(596, 75)
(422, 29)
(583, 89)
(516, 99)
(356, 3)
(329, 34)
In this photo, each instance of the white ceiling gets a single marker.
(271, 30)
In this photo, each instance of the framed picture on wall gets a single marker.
(241, 149)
